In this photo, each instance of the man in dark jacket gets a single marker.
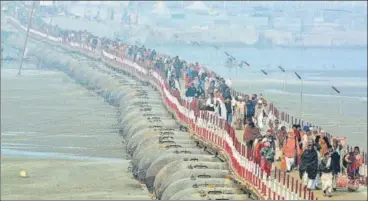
(250, 108)
(229, 110)
(191, 91)
(153, 54)
(309, 164)
(335, 161)
(226, 93)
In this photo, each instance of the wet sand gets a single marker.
(65, 137)
(65, 179)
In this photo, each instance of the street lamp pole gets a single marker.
(301, 95)
(340, 104)
(264, 72)
(283, 70)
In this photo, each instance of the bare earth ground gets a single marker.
(68, 179)
(65, 137)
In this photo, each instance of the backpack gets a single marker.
(322, 167)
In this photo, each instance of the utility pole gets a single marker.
(301, 95)
(283, 70)
(25, 43)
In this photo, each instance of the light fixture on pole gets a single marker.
(301, 95)
(338, 92)
(283, 70)
(264, 72)
(246, 63)
(216, 47)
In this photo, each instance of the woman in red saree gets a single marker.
(354, 161)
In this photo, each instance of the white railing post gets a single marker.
(269, 188)
(274, 188)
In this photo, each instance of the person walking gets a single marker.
(251, 132)
(326, 173)
(229, 110)
(250, 108)
(268, 156)
(281, 136)
(335, 161)
(240, 112)
(290, 150)
(309, 165)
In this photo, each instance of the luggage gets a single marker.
(353, 184)
(342, 181)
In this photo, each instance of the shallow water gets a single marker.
(50, 111)
(53, 155)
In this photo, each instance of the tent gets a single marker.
(161, 8)
(46, 3)
(197, 6)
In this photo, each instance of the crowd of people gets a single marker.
(307, 150)
(319, 160)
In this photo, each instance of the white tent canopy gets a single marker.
(160, 8)
(198, 6)
(46, 3)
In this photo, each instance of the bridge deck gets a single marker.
(361, 194)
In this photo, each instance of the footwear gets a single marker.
(334, 189)
(324, 193)
(329, 195)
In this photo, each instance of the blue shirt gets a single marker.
(250, 108)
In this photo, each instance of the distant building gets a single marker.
(47, 7)
(263, 41)
(302, 24)
(271, 22)
(46, 3)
